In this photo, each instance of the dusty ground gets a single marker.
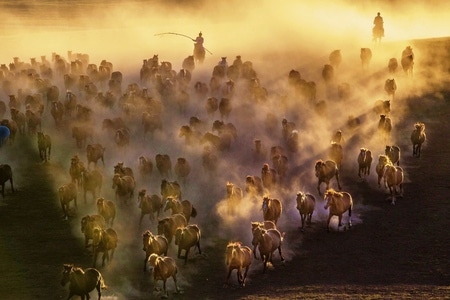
(392, 252)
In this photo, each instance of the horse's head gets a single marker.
(265, 204)
(301, 197)
(328, 196)
(97, 236)
(67, 270)
(146, 238)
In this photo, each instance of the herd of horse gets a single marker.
(98, 228)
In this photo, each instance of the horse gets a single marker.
(94, 152)
(187, 237)
(393, 178)
(364, 162)
(82, 282)
(104, 241)
(163, 268)
(5, 175)
(393, 152)
(107, 209)
(390, 87)
(267, 241)
(264, 225)
(271, 209)
(339, 203)
(120, 169)
(169, 225)
(199, 53)
(145, 166)
(383, 161)
(164, 165)
(407, 61)
(325, 171)
(67, 193)
(184, 207)
(124, 187)
(366, 56)
(336, 154)
(306, 204)
(384, 127)
(88, 224)
(44, 145)
(234, 197)
(238, 257)
(153, 244)
(182, 170)
(418, 137)
(91, 181)
(122, 137)
(149, 205)
(253, 185)
(170, 189)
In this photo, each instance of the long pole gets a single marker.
(180, 34)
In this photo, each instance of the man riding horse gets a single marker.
(378, 29)
(199, 50)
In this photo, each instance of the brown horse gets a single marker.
(234, 197)
(107, 209)
(339, 203)
(383, 161)
(44, 145)
(124, 187)
(393, 178)
(325, 171)
(169, 225)
(306, 204)
(364, 162)
(149, 205)
(186, 238)
(418, 137)
(267, 241)
(264, 225)
(157, 244)
(163, 268)
(184, 207)
(271, 209)
(67, 193)
(104, 241)
(238, 257)
(170, 189)
(5, 175)
(88, 224)
(82, 282)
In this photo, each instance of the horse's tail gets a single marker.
(103, 285)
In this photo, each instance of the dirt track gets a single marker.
(391, 252)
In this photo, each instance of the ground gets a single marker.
(391, 252)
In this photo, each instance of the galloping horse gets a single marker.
(104, 241)
(325, 170)
(306, 204)
(45, 145)
(184, 207)
(153, 244)
(234, 197)
(238, 257)
(267, 241)
(377, 33)
(5, 175)
(407, 61)
(271, 209)
(339, 203)
(418, 137)
(82, 282)
(393, 178)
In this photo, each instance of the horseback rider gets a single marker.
(378, 22)
(199, 41)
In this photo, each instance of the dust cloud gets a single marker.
(292, 35)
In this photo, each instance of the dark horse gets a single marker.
(199, 53)
(82, 282)
(377, 33)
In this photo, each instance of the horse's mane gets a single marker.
(333, 192)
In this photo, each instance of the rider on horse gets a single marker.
(199, 50)
(378, 28)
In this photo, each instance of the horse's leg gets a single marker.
(174, 276)
(303, 222)
(350, 217)
(328, 222)
(198, 247)
(186, 255)
(245, 275)
(340, 221)
(337, 178)
(145, 261)
(239, 275)
(279, 252)
(228, 275)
